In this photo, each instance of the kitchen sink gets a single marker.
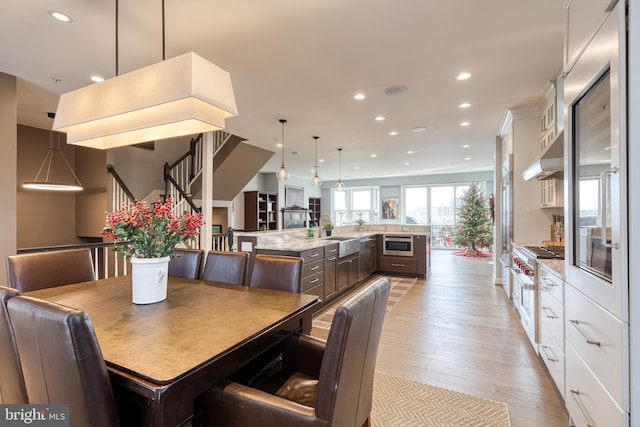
(346, 245)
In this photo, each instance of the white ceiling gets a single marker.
(304, 60)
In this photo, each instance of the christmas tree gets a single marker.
(473, 228)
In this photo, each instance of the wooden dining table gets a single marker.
(162, 356)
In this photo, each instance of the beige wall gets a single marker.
(91, 202)
(8, 143)
(45, 218)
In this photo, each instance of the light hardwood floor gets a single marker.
(456, 330)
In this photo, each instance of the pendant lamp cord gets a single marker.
(117, 67)
(163, 43)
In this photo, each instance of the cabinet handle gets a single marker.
(575, 324)
(315, 267)
(575, 394)
(314, 255)
(332, 258)
(397, 265)
(547, 311)
(547, 350)
(333, 250)
(314, 280)
(547, 282)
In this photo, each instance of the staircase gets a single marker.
(235, 163)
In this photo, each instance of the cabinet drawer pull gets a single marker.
(332, 258)
(575, 394)
(547, 351)
(575, 324)
(332, 250)
(547, 282)
(314, 255)
(314, 280)
(315, 267)
(397, 265)
(547, 310)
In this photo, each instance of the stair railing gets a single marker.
(121, 195)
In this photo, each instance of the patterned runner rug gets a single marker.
(403, 403)
(399, 287)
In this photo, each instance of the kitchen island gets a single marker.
(334, 264)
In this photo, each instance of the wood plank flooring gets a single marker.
(456, 330)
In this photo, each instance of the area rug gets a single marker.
(398, 402)
(471, 253)
(399, 287)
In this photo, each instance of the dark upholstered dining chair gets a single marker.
(62, 360)
(12, 388)
(30, 272)
(187, 263)
(319, 383)
(280, 273)
(226, 267)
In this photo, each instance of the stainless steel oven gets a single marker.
(397, 245)
(524, 273)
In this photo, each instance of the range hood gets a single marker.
(550, 164)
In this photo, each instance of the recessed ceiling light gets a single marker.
(465, 124)
(373, 155)
(419, 129)
(356, 167)
(410, 152)
(359, 96)
(407, 163)
(321, 160)
(278, 145)
(464, 105)
(463, 76)
(379, 118)
(467, 158)
(59, 16)
(97, 79)
(393, 133)
(395, 90)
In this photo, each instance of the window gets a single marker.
(353, 204)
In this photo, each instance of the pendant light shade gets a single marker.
(57, 174)
(283, 173)
(339, 184)
(183, 95)
(316, 181)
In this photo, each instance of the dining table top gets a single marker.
(198, 322)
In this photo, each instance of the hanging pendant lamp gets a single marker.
(282, 173)
(339, 184)
(316, 181)
(51, 171)
(184, 95)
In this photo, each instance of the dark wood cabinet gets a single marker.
(260, 211)
(315, 210)
(330, 271)
(421, 252)
(417, 264)
(348, 270)
(364, 268)
(373, 254)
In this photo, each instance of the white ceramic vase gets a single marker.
(149, 279)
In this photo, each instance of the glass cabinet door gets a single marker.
(592, 180)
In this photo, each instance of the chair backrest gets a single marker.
(30, 272)
(350, 357)
(62, 360)
(187, 263)
(280, 273)
(12, 388)
(226, 267)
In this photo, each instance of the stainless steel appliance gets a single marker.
(397, 245)
(596, 113)
(524, 270)
(507, 225)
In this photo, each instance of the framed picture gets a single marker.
(216, 228)
(389, 208)
(293, 196)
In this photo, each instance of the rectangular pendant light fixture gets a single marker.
(184, 95)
